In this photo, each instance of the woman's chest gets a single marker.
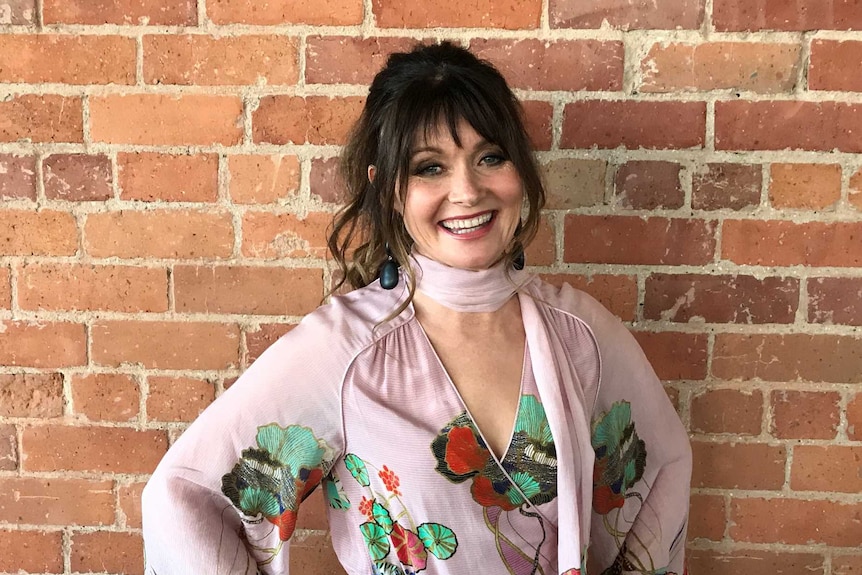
(419, 488)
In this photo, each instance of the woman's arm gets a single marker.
(226, 497)
(643, 463)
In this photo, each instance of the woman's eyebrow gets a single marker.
(425, 149)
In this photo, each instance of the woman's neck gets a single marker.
(451, 300)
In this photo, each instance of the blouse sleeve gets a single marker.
(642, 468)
(225, 498)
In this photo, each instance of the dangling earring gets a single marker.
(519, 261)
(389, 271)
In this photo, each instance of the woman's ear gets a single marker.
(372, 171)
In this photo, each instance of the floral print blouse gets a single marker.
(595, 474)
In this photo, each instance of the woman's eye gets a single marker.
(427, 169)
(492, 159)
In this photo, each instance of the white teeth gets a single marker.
(464, 226)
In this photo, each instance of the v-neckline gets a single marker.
(465, 408)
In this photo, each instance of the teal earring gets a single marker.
(389, 271)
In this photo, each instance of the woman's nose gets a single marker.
(466, 188)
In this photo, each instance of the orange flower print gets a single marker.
(390, 480)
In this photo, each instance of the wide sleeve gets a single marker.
(226, 497)
(642, 470)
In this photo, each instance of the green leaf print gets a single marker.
(357, 469)
(375, 539)
(294, 447)
(438, 539)
(381, 517)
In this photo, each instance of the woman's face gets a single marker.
(462, 204)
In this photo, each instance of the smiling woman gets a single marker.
(463, 200)
(468, 417)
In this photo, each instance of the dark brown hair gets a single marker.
(420, 90)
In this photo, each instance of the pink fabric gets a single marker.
(369, 407)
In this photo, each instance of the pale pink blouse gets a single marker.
(598, 462)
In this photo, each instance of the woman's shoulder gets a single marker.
(352, 320)
(563, 297)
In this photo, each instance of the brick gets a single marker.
(506, 14)
(538, 117)
(804, 186)
(855, 193)
(785, 243)
(706, 517)
(854, 418)
(143, 12)
(31, 395)
(18, 12)
(130, 503)
(790, 357)
(805, 414)
(835, 301)
(561, 65)
(313, 512)
(178, 398)
(846, 565)
(796, 522)
(619, 240)
(31, 551)
(247, 290)
(675, 355)
(37, 233)
(831, 65)
(639, 14)
(5, 289)
(275, 236)
(154, 177)
(617, 293)
(742, 66)
(257, 179)
(166, 120)
(17, 177)
(41, 119)
(73, 287)
(633, 124)
(783, 125)
(706, 562)
(731, 186)
(105, 396)
(298, 120)
(720, 298)
(274, 12)
(257, 341)
(349, 59)
(574, 183)
(177, 234)
(542, 251)
(42, 344)
(166, 345)
(740, 15)
(97, 449)
(8, 447)
(738, 465)
(194, 59)
(77, 177)
(106, 551)
(648, 185)
(314, 553)
(46, 501)
(66, 59)
(827, 468)
(325, 181)
(727, 411)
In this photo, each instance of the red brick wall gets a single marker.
(166, 176)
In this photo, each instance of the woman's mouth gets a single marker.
(461, 226)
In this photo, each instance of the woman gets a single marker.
(461, 415)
